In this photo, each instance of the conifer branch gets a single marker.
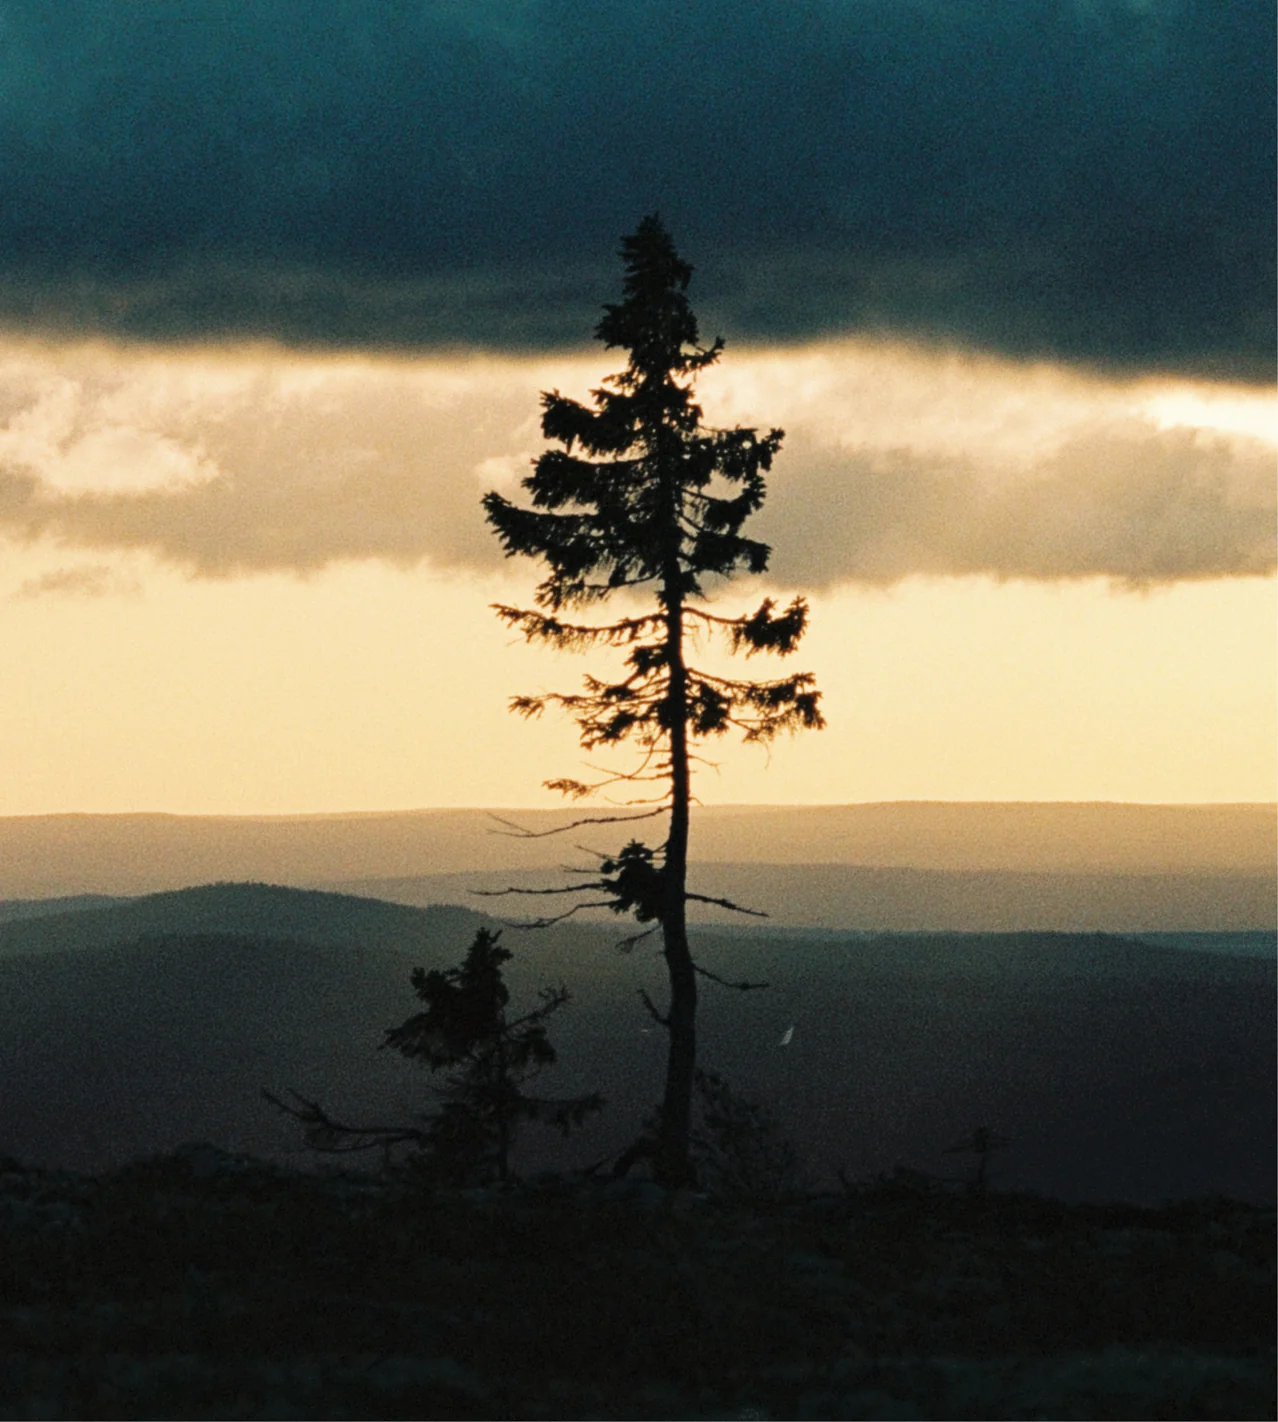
(571, 635)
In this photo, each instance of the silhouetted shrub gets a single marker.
(738, 1149)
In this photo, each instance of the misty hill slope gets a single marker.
(1261, 943)
(42, 908)
(130, 1028)
(46, 855)
(258, 909)
(842, 896)
(1120, 1070)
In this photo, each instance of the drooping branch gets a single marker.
(725, 903)
(514, 831)
(641, 775)
(761, 630)
(569, 636)
(652, 1009)
(325, 1133)
(549, 920)
(742, 986)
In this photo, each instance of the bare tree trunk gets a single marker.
(673, 1166)
(503, 1114)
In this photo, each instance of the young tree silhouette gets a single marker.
(642, 495)
(488, 1057)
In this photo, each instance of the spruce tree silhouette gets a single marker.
(643, 495)
(489, 1057)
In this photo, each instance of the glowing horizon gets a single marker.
(244, 580)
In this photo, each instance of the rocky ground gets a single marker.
(202, 1285)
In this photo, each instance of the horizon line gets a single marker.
(753, 805)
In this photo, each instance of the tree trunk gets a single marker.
(673, 1167)
(503, 1112)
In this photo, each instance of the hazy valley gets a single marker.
(1095, 984)
(1030, 1003)
(44, 856)
(1120, 1068)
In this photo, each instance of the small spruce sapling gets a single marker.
(981, 1143)
(489, 1058)
(740, 1152)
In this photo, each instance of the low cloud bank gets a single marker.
(286, 467)
(1128, 502)
(267, 463)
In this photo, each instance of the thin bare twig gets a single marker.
(333, 1137)
(651, 1006)
(626, 944)
(551, 919)
(514, 831)
(565, 889)
(723, 982)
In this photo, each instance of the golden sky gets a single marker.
(248, 580)
(1024, 362)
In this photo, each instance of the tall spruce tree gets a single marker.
(642, 495)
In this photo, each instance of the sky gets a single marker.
(281, 283)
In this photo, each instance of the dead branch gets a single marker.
(333, 1137)
(550, 920)
(652, 1008)
(514, 831)
(725, 903)
(742, 986)
(564, 889)
(626, 944)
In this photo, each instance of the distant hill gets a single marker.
(41, 908)
(45, 856)
(1119, 1069)
(261, 910)
(158, 1019)
(840, 896)
(1263, 944)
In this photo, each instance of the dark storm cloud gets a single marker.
(1083, 178)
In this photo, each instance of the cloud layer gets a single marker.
(1088, 179)
(896, 463)
(1121, 500)
(269, 466)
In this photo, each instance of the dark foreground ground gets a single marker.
(201, 1285)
